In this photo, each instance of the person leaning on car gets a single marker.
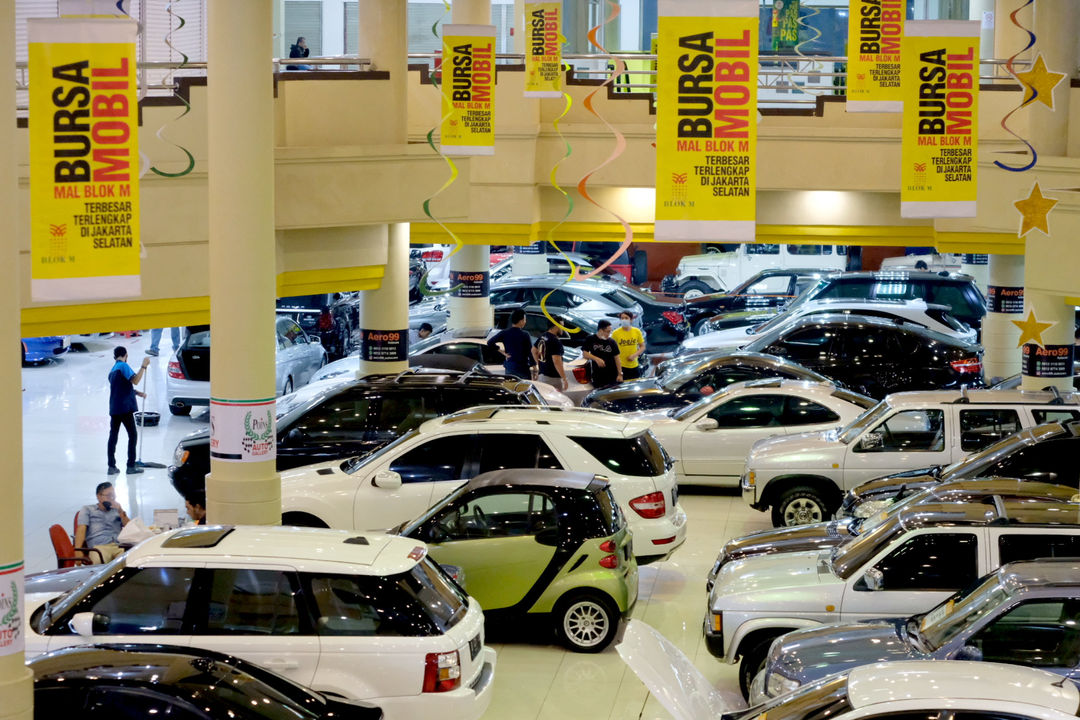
(602, 352)
(98, 526)
(516, 347)
(631, 345)
(548, 352)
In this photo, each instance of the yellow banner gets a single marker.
(875, 37)
(468, 81)
(706, 123)
(84, 159)
(940, 151)
(543, 49)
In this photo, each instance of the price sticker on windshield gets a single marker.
(936, 615)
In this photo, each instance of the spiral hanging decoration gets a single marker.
(436, 80)
(620, 143)
(1009, 65)
(801, 21)
(187, 106)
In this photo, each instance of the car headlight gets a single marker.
(870, 507)
(776, 684)
(180, 456)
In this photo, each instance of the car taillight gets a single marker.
(442, 672)
(325, 322)
(609, 561)
(967, 365)
(649, 506)
(672, 317)
(175, 371)
(431, 255)
(580, 374)
(607, 546)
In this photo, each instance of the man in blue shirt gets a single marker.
(516, 347)
(122, 407)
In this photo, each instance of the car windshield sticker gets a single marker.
(937, 615)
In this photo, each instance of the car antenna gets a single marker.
(1058, 400)
(1067, 676)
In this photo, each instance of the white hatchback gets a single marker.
(366, 617)
(399, 481)
(711, 438)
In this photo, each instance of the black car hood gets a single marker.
(199, 437)
(891, 484)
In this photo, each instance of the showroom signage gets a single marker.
(543, 51)
(536, 248)
(470, 283)
(12, 638)
(706, 127)
(384, 345)
(875, 34)
(1048, 361)
(243, 430)
(84, 159)
(940, 119)
(468, 86)
(1004, 299)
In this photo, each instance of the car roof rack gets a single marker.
(403, 373)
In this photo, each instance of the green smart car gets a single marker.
(538, 542)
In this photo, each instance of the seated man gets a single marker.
(195, 503)
(99, 525)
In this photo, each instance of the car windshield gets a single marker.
(302, 400)
(869, 417)
(353, 464)
(818, 700)
(59, 605)
(696, 406)
(677, 375)
(973, 465)
(852, 555)
(854, 398)
(410, 527)
(620, 298)
(962, 610)
(415, 348)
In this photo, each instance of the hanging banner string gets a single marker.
(620, 144)
(436, 80)
(1009, 66)
(187, 106)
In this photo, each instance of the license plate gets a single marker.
(474, 647)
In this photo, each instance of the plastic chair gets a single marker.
(65, 550)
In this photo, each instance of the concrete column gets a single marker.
(1001, 358)
(470, 312)
(384, 313)
(16, 682)
(471, 12)
(240, 142)
(1057, 27)
(979, 270)
(977, 11)
(1050, 307)
(384, 37)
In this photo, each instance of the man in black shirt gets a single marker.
(516, 347)
(603, 355)
(548, 352)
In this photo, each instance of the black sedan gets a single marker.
(765, 292)
(684, 382)
(135, 682)
(875, 356)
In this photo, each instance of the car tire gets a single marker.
(694, 289)
(302, 519)
(586, 622)
(752, 663)
(700, 324)
(800, 505)
(180, 409)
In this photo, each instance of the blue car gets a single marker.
(40, 349)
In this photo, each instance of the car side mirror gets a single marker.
(870, 441)
(387, 480)
(295, 436)
(873, 579)
(435, 534)
(1047, 476)
(969, 652)
(707, 423)
(84, 623)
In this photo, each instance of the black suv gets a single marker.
(766, 292)
(350, 417)
(874, 356)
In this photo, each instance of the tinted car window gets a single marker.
(750, 411)
(763, 249)
(1045, 416)
(458, 398)
(244, 601)
(952, 295)
(715, 380)
(121, 703)
(640, 455)
(1039, 633)
(800, 411)
(404, 410)
(469, 350)
(499, 451)
(148, 601)
(771, 285)
(436, 460)
(340, 418)
(805, 250)
(1053, 460)
(499, 515)
(1032, 546)
(979, 428)
(509, 295)
(939, 561)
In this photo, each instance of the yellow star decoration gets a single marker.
(1039, 79)
(1031, 329)
(1034, 210)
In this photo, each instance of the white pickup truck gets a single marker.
(699, 275)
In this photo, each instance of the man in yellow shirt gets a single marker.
(631, 345)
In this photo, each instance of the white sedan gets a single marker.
(711, 438)
(906, 690)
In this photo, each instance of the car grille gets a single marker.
(474, 647)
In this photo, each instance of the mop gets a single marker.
(142, 427)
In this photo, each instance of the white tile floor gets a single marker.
(65, 427)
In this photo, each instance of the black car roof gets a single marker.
(853, 318)
(136, 657)
(538, 478)
(447, 378)
(902, 274)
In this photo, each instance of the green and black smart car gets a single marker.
(538, 542)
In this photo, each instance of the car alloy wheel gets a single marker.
(587, 624)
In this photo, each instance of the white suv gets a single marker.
(400, 480)
(803, 477)
(907, 564)
(365, 617)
